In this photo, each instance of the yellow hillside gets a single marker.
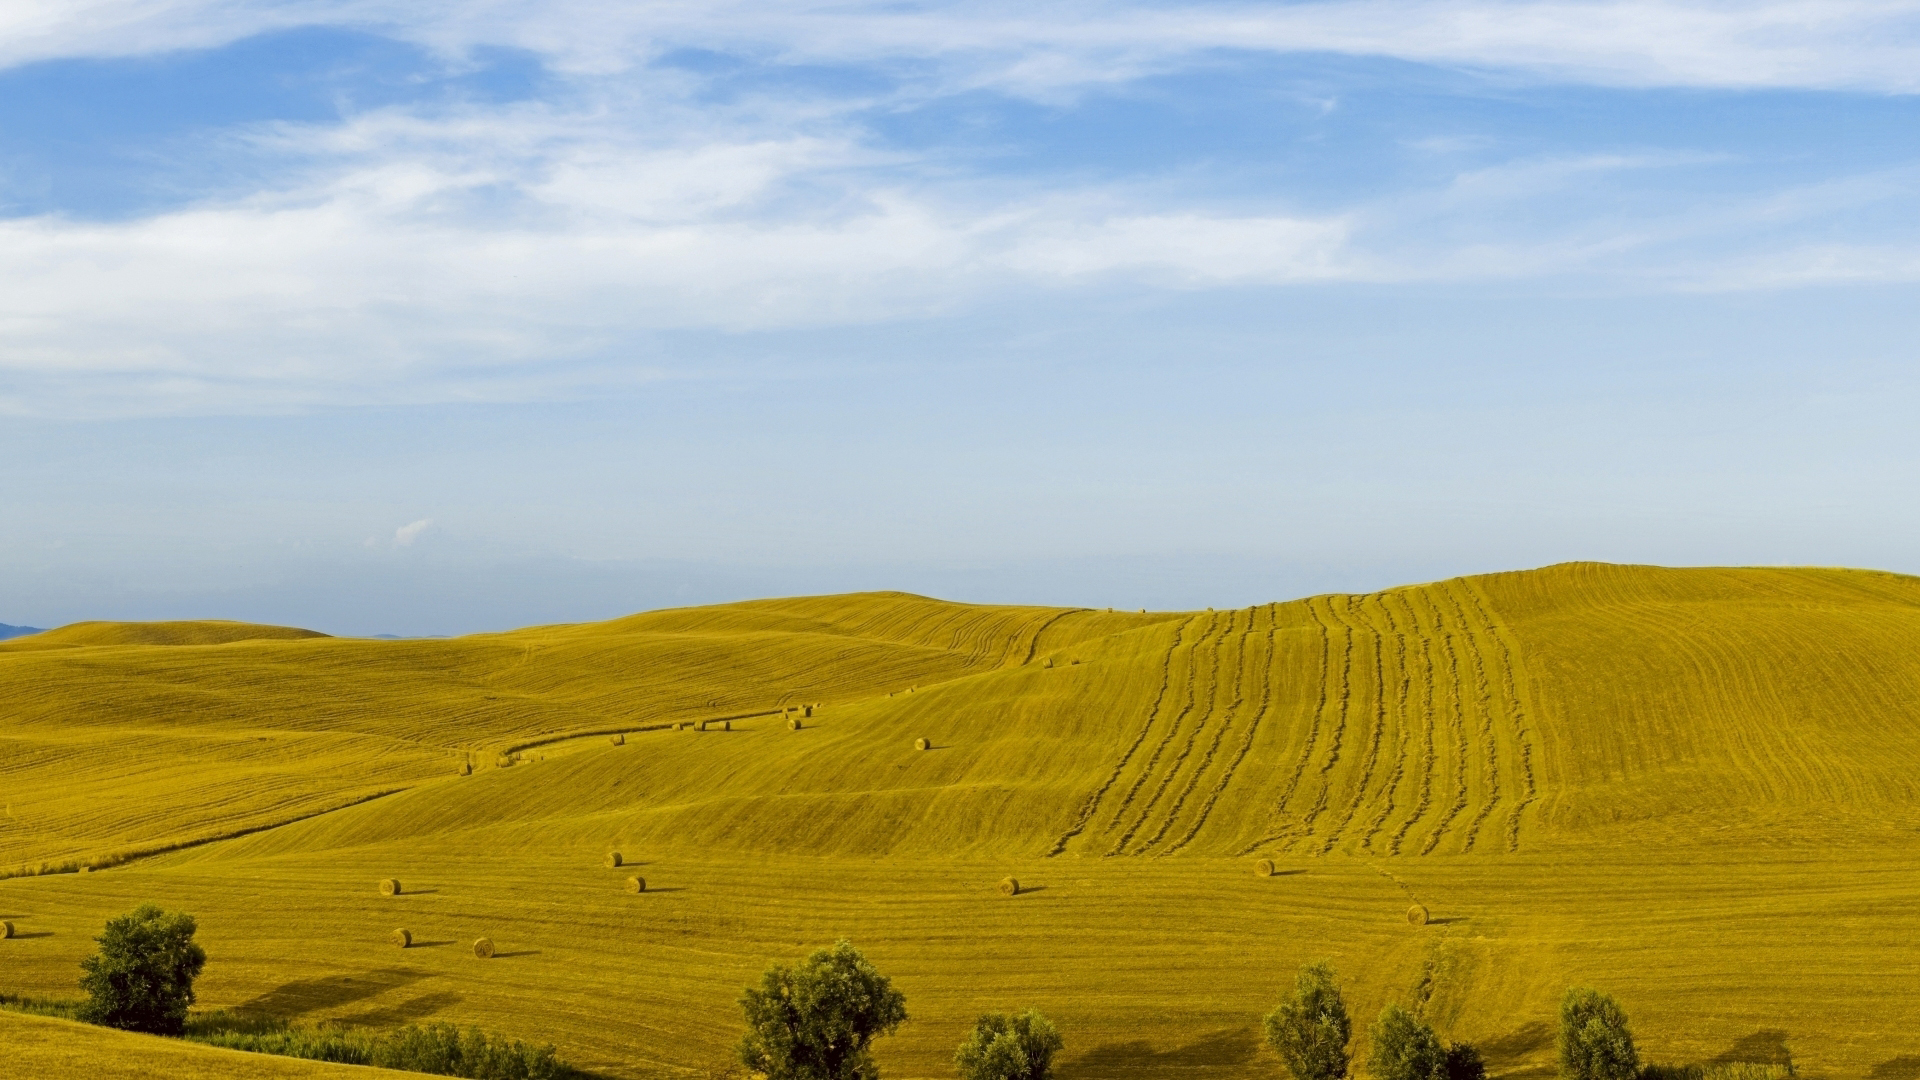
(1692, 787)
(204, 632)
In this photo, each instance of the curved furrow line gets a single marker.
(1234, 703)
(1265, 669)
(1338, 737)
(1484, 696)
(1034, 644)
(1201, 715)
(1372, 759)
(1463, 751)
(1430, 755)
(1160, 748)
(1517, 713)
(1405, 687)
(1276, 830)
(1092, 805)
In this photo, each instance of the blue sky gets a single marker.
(431, 318)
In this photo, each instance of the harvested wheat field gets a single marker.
(1694, 789)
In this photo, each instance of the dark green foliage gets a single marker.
(1404, 1048)
(1009, 1047)
(816, 1021)
(142, 977)
(440, 1049)
(1463, 1063)
(1310, 1030)
(1594, 1041)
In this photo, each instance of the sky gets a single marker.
(435, 318)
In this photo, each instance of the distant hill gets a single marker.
(199, 632)
(18, 631)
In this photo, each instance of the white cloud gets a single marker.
(405, 535)
(1860, 44)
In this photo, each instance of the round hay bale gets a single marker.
(85, 869)
(726, 725)
(401, 938)
(389, 887)
(6, 929)
(793, 724)
(922, 744)
(613, 860)
(466, 768)
(483, 948)
(808, 711)
(1263, 868)
(1048, 662)
(636, 884)
(1417, 915)
(1009, 887)
(619, 739)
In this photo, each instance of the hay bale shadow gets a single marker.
(1449, 920)
(1229, 1051)
(22, 935)
(516, 952)
(432, 944)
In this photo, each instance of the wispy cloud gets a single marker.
(405, 535)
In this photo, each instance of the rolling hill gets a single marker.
(1693, 787)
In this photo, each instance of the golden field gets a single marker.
(1693, 788)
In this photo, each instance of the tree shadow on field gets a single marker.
(1768, 1047)
(303, 996)
(1904, 1067)
(1508, 1054)
(1229, 1049)
(406, 1012)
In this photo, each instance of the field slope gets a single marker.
(1694, 787)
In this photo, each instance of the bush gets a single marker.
(1008, 1047)
(816, 1021)
(1594, 1041)
(142, 977)
(1310, 1032)
(1463, 1062)
(1403, 1048)
(440, 1049)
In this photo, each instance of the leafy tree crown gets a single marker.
(1404, 1048)
(816, 1020)
(1310, 1030)
(1009, 1047)
(1594, 1041)
(142, 977)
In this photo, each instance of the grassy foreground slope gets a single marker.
(1690, 786)
(37, 1046)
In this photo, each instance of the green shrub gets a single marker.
(142, 977)
(1403, 1048)
(1463, 1062)
(1009, 1047)
(440, 1049)
(1594, 1041)
(1310, 1031)
(817, 1021)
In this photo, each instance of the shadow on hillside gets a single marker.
(1904, 1067)
(1507, 1054)
(1768, 1047)
(1232, 1048)
(303, 996)
(406, 1012)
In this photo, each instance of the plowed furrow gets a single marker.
(1263, 667)
(1234, 702)
(1202, 714)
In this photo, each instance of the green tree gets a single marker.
(1463, 1062)
(815, 1021)
(1594, 1041)
(1311, 1030)
(142, 977)
(1009, 1047)
(1404, 1048)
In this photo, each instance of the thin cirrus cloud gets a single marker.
(506, 250)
